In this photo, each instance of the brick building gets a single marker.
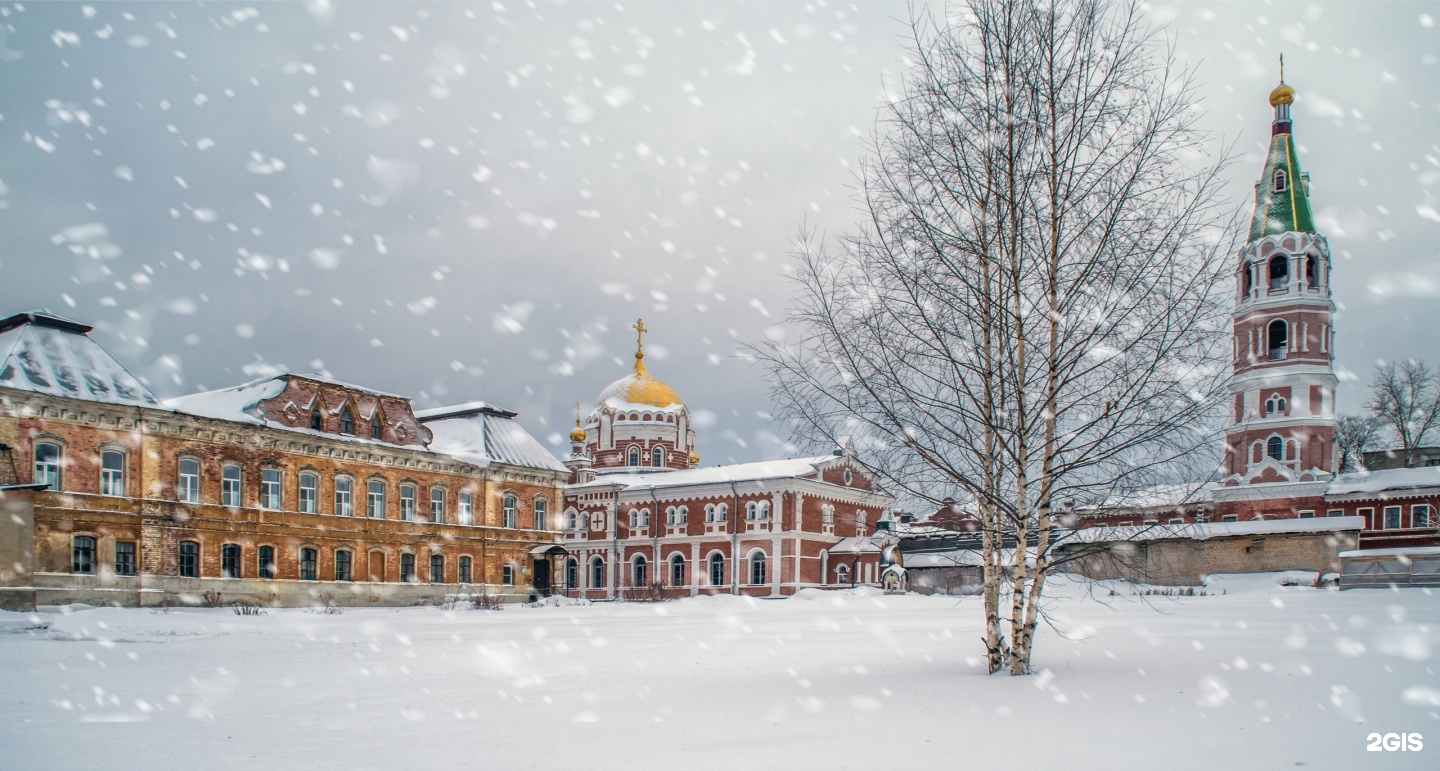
(641, 515)
(292, 489)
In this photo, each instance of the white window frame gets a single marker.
(230, 487)
(187, 487)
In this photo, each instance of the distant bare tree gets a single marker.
(1353, 436)
(1405, 398)
(1036, 305)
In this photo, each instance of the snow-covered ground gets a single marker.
(1262, 676)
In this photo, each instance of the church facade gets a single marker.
(642, 518)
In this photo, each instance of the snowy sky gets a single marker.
(475, 201)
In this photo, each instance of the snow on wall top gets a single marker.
(1202, 531)
(235, 403)
(484, 436)
(1396, 479)
(740, 472)
(48, 354)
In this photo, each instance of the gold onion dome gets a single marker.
(639, 388)
(577, 434)
(694, 458)
(1282, 94)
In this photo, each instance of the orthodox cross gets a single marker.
(640, 330)
(577, 414)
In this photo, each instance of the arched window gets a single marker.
(464, 568)
(710, 512)
(407, 503)
(842, 574)
(762, 511)
(572, 574)
(467, 508)
(542, 513)
(849, 476)
(1281, 181)
(437, 505)
(230, 560)
(230, 485)
(750, 510)
(407, 568)
(757, 568)
(1278, 335)
(266, 562)
(342, 565)
(270, 489)
(309, 493)
(597, 573)
(638, 575)
(682, 515)
(47, 464)
(645, 417)
(1275, 405)
(1312, 271)
(112, 473)
(1279, 272)
(347, 422)
(677, 570)
(316, 422)
(187, 488)
(634, 456)
(344, 497)
(1275, 448)
(189, 565)
(1245, 278)
(375, 499)
(572, 520)
(376, 427)
(657, 458)
(717, 570)
(437, 568)
(507, 511)
(308, 564)
(82, 555)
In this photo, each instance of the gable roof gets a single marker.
(483, 435)
(48, 354)
(740, 472)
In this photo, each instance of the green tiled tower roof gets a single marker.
(1282, 196)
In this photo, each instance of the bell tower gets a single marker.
(1280, 446)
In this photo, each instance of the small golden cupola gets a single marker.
(577, 434)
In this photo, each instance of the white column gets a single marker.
(695, 568)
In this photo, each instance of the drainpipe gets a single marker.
(734, 539)
(615, 543)
(655, 533)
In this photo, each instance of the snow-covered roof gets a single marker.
(235, 403)
(1158, 496)
(1385, 480)
(484, 436)
(343, 384)
(44, 353)
(1402, 551)
(1201, 531)
(458, 409)
(739, 472)
(865, 544)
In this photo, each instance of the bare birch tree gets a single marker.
(1035, 306)
(1405, 398)
(1354, 434)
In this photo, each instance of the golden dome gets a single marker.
(639, 388)
(694, 458)
(1282, 94)
(577, 434)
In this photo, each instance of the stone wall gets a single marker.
(1186, 562)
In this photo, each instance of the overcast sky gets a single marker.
(475, 201)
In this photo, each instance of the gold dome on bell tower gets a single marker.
(639, 388)
(1282, 94)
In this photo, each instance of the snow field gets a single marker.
(1263, 676)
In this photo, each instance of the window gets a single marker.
(682, 515)
(1392, 517)
(347, 422)
(710, 513)
(375, 499)
(1228, 518)
(1279, 338)
(1420, 516)
(82, 555)
(542, 506)
(316, 422)
(407, 568)
(750, 510)
(827, 517)
(1312, 272)
(229, 485)
(1275, 405)
(717, 570)
(757, 568)
(270, 488)
(572, 574)
(1279, 272)
(464, 576)
(1280, 182)
(507, 575)
(307, 564)
(677, 570)
(572, 520)
(1307, 515)
(437, 568)
(112, 473)
(1275, 448)
(849, 477)
(343, 504)
(266, 563)
(229, 561)
(124, 558)
(860, 523)
(657, 458)
(467, 509)
(437, 506)
(634, 456)
(47, 465)
(342, 566)
(1336, 513)
(507, 511)
(842, 574)
(407, 503)
(188, 488)
(189, 559)
(309, 493)
(597, 573)
(376, 428)
(1245, 279)
(637, 572)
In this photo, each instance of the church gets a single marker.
(643, 519)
